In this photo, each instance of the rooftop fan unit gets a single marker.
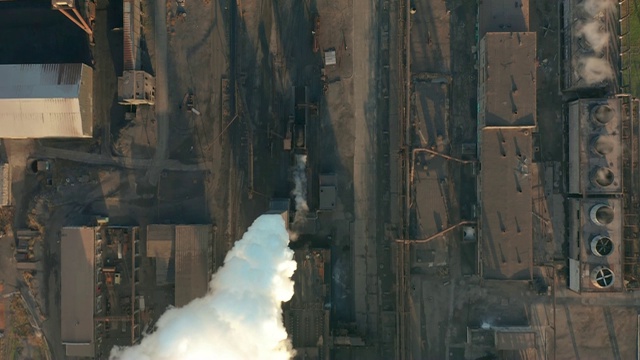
(602, 277)
(603, 145)
(601, 246)
(601, 115)
(601, 214)
(602, 177)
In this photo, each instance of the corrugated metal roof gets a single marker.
(193, 262)
(158, 235)
(46, 100)
(131, 34)
(41, 80)
(77, 284)
(160, 245)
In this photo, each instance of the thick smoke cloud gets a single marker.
(300, 188)
(595, 70)
(595, 35)
(595, 7)
(592, 67)
(241, 316)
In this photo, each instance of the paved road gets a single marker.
(127, 163)
(162, 95)
(364, 166)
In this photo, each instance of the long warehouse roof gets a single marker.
(77, 289)
(46, 101)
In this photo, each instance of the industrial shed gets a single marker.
(160, 246)
(193, 262)
(507, 79)
(78, 246)
(183, 257)
(506, 230)
(46, 101)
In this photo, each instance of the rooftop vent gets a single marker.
(601, 214)
(601, 245)
(602, 277)
(583, 44)
(602, 177)
(602, 145)
(602, 114)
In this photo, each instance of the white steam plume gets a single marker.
(595, 34)
(594, 70)
(300, 187)
(594, 7)
(241, 316)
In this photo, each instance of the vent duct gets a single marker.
(602, 277)
(602, 177)
(601, 246)
(601, 214)
(603, 145)
(602, 115)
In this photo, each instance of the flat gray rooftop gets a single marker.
(506, 205)
(507, 81)
(77, 296)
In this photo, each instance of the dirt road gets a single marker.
(162, 95)
(364, 166)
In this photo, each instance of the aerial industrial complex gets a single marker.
(458, 179)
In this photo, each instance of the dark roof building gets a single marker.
(183, 257)
(46, 101)
(193, 262)
(503, 15)
(507, 79)
(504, 195)
(78, 248)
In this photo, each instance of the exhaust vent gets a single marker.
(602, 177)
(601, 245)
(602, 145)
(601, 214)
(602, 115)
(602, 277)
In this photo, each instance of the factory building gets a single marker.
(596, 210)
(135, 86)
(99, 276)
(505, 226)
(46, 101)
(183, 257)
(506, 122)
(595, 252)
(307, 315)
(79, 256)
(595, 147)
(591, 50)
(507, 79)
(161, 247)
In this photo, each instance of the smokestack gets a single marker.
(241, 315)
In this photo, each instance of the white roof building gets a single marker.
(46, 101)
